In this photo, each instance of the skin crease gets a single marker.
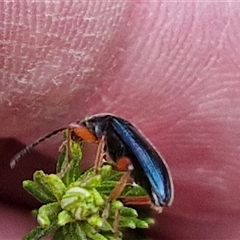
(170, 68)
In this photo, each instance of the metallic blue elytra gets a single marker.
(124, 140)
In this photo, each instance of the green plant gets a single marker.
(74, 202)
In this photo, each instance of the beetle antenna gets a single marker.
(29, 147)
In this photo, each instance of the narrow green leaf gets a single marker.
(74, 197)
(47, 213)
(106, 187)
(71, 169)
(72, 231)
(40, 232)
(91, 182)
(87, 229)
(127, 222)
(99, 201)
(63, 156)
(77, 232)
(109, 237)
(58, 235)
(34, 189)
(64, 217)
(107, 226)
(141, 223)
(116, 205)
(57, 186)
(67, 231)
(150, 221)
(133, 190)
(62, 159)
(108, 174)
(86, 175)
(39, 178)
(95, 220)
(98, 236)
(129, 212)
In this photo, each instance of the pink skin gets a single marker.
(172, 69)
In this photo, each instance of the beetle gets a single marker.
(129, 149)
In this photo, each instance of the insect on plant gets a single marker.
(128, 149)
(125, 148)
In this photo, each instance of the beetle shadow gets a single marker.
(11, 190)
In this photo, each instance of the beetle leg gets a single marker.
(136, 200)
(67, 145)
(86, 135)
(115, 193)
(158, 209)
(100, 155)
(141, 200)
(123, 164)
(119, 188)
(116, 223)
(69, 140)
